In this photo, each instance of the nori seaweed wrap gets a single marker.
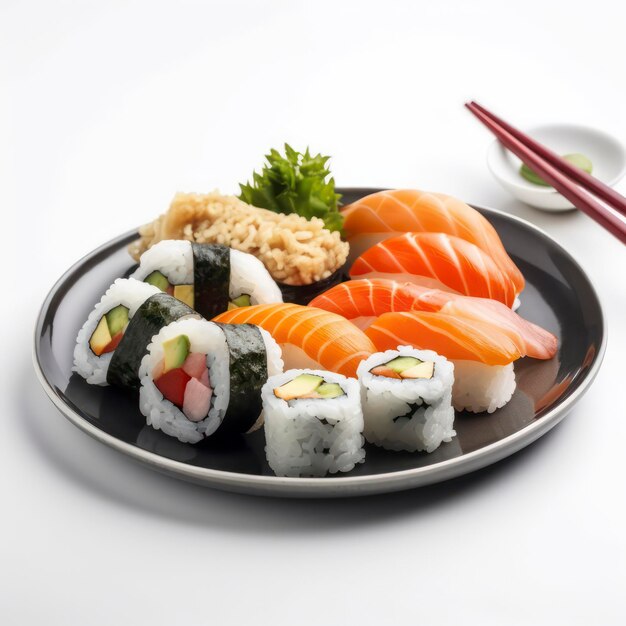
(200, 378)
(210, 278)
(156, 312)
(248, 373)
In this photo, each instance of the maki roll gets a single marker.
(157, 311)
(313, 423)
(200, 377)
(101, 334)
(406, 396)
(210, 278)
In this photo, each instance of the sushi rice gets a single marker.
(312, 437)
(174, 259)
(407, 414)
(480, 387)
(128, 292)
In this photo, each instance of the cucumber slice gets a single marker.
(330, 390)
(158, 280)
(117, 319)
(242, 300)
(401, 363)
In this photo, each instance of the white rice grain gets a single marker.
(479, 387)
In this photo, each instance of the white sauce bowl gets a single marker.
(607, 155)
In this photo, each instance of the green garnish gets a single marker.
(576, 159)
(295, 183)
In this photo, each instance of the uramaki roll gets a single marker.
(407, 399)
(313, 423)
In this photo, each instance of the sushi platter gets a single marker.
(184, 371)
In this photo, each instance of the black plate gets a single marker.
(558, 296)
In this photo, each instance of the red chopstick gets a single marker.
(579, 196)
(603, 191)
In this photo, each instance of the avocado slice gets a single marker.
(302, 385)
(101, 337)
(401, 363)
(405, 367)
(425, 369)
(184, 293)
(330, 390)
(242, 300)
(117, 319)
(158, 280)
(175, 351)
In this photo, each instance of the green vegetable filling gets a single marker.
(242, 300)
(402, 363)
(175, 351)
(308, 386)
(295, 183)
(158, 280)
(330, 390)
(108, 333)
(405, 367)
(117, 318)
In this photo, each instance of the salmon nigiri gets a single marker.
(362, 301)
(436, 259)
(309, 337)
(483, 355)
(396, 211)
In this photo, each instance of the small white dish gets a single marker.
(607, 155)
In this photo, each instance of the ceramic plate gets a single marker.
(558, 296)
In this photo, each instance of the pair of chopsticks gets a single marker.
(572, 182)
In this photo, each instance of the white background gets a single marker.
(107, 109)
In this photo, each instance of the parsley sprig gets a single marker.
(295, 183)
